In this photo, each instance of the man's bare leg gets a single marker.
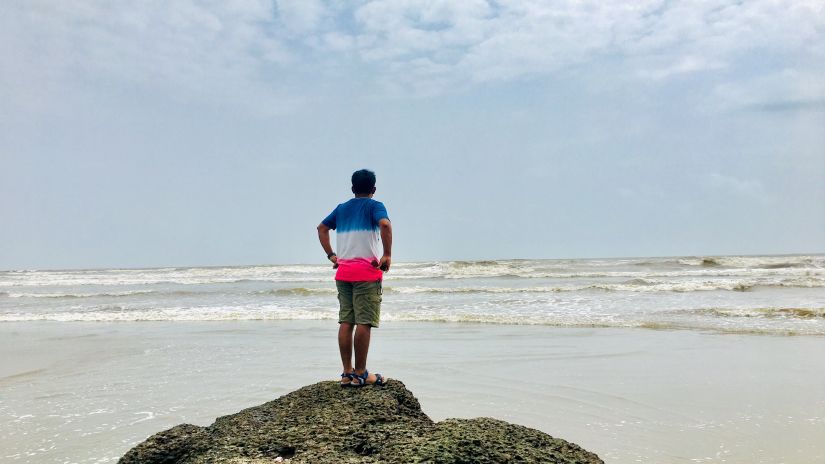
(345, 344)
(362, 348)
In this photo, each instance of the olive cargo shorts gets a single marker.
(360, 302)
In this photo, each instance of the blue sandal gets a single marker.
(361, 380)
(349, 376)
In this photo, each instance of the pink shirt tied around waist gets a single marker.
(358, 270)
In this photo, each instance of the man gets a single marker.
(358, 224)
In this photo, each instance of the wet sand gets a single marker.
(86, 392)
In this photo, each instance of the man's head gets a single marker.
(363, 182)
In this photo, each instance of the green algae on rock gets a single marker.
(324, 423)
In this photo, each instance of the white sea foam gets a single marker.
(184, 276)
(213, 313)
(76, 295)
(628, 292)
(707, 266)
(636, 285)
(756, 262)
(803, 321)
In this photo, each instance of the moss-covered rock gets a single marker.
(324, 423)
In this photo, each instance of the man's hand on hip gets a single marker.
(384, 264)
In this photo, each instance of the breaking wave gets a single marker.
(448, 270)
(77, 295)
(760, 320)
(298, 291)
(768, 294)
(798, 313)
(633, 285)
(753, 262)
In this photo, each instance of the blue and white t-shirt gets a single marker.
(356, 227)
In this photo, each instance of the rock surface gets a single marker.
(324, 423)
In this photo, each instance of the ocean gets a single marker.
(660, 360)
(761, 294)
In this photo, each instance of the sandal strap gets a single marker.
(361, 379)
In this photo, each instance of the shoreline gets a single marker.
(388, 320)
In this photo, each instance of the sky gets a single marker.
(141, 134)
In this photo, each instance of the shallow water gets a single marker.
(87, 391)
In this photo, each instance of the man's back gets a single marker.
(356, 223)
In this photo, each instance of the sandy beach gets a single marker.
(87, 392)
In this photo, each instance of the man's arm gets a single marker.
(386, 241)
(323, 236)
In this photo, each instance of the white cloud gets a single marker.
(185, 50)
(260, 51)
(684, 65)
(301, 16)
(785, 89)
(405, 29)
(656, 39)
(734, 185)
